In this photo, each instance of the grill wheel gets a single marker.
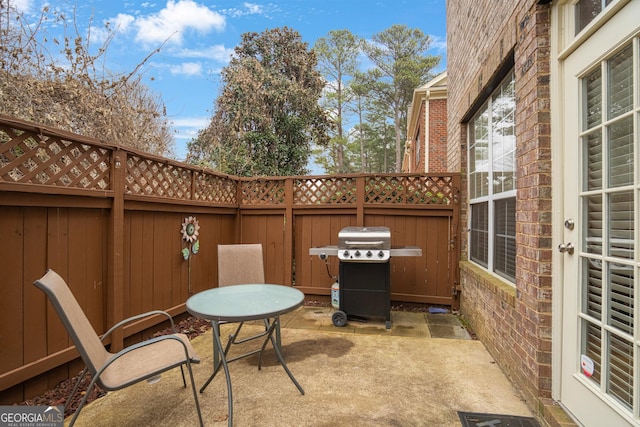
(339, 318)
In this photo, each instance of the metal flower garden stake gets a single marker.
(189, 231)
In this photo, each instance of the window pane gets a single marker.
(480, 233)
(621, 153)
(503, 138)
(586, 11)
(593, 96)
(620, 83)
(479, 169)
(479, 156)
(505, 238)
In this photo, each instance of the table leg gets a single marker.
(276, 346)
(217, 349)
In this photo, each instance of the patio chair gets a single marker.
(113, 371)
(242, 264)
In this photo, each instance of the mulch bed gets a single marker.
(190, 326)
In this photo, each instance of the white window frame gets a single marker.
(491, 197)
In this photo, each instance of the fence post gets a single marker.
(360, 197)
(115, 269)
(288, 232)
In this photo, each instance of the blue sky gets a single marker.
(198, 36)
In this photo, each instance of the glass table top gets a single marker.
(244, 302)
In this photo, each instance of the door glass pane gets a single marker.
(621, 153)
(621, 297)
(620, 384)
(620, 225)
(593, 292)
(593, 164)
(620, 83)
(592, 347)
(593, 96)
(593, 229)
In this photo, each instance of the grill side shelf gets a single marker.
(406, 251)
(401, 251)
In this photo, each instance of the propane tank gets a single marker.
(335, 295)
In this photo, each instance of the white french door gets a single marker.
(600, 361)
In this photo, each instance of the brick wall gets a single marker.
(513, 322)
(437, 136)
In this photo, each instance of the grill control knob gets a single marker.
(369, 254)
(346, 254)
(380, 254)
(357, 254)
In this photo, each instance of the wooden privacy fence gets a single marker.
(109, 220)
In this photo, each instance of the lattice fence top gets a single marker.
(409, 190)
(29, 155)
(263, 192)
(155, 178)
(323, 191)
(215, 189)
(31, 158)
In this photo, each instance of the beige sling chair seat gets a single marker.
(113, 371)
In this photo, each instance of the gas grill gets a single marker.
(364, 272)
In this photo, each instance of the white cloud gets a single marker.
(216, 52)
(250, 9)
(438, 43)
(253, 8)
(186, 129)
(187, 69)
(176, 18)
(22, 6)
(192, 122)
(122, 22)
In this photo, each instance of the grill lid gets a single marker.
(369, 244)
(364, 238)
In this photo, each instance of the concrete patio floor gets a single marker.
(421, 372)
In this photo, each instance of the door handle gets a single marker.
(566, 247)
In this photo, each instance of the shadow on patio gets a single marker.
(419, 373)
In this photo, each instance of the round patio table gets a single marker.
(240, 303)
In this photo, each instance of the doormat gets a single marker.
(475, 419)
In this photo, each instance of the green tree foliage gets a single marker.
(268, 114)
(360, 87)
(73, 90)
(371, 148)
(401, 65)
(337, 60)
